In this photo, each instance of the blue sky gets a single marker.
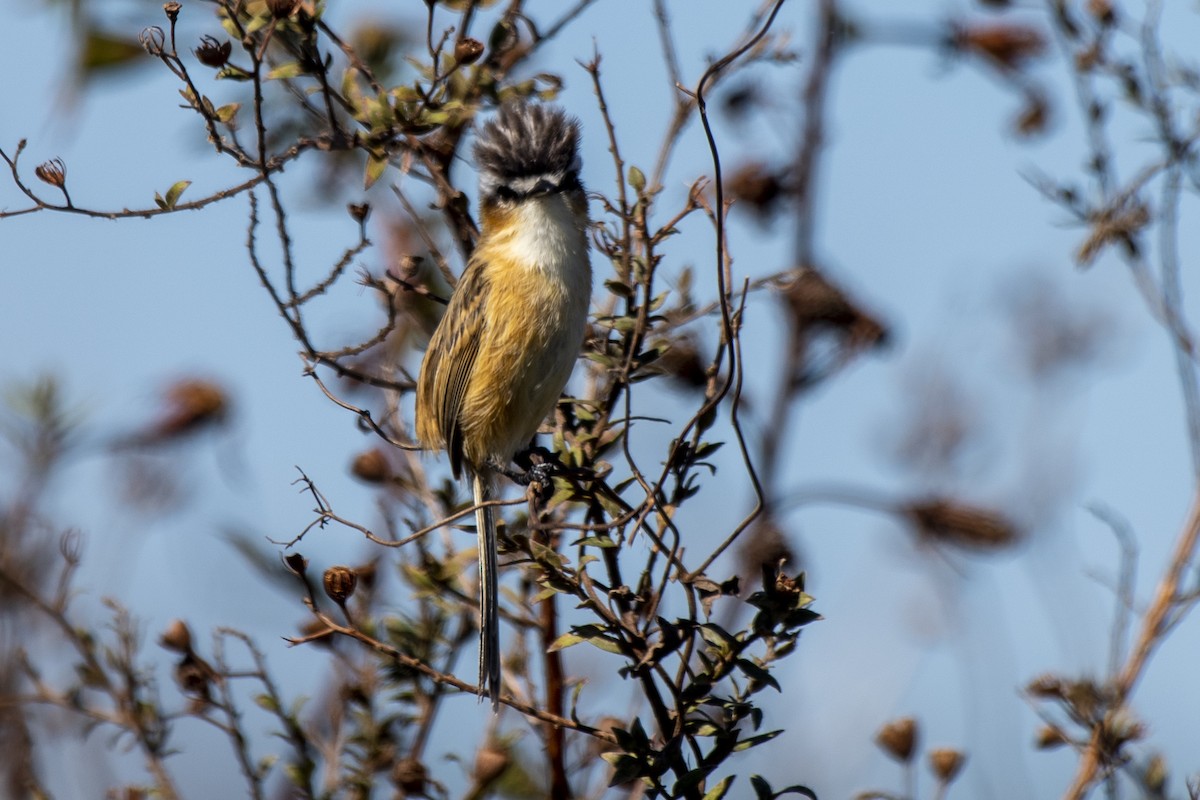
(925, 212)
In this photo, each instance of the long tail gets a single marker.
(489, 616)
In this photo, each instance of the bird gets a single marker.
(505, 347)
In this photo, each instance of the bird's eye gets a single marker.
(505, 192)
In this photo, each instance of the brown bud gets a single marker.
(946, 763)
(177, 637)
(467, 50)
(371, 466)
(898, 738)
(172, 10)
(490, 763)
(1007, 46)
(942, 520)
(1050, 737)
(53, 172)
(359, 211)
(212, 53)
(340, 583)
(282, 9)
(410, 776)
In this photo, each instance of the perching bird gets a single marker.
(506, 345)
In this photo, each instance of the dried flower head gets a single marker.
(467, 50)
(359, 211)
(818, 306)
(296, 563)
(172, 11)
(53, 172)
(153, 40)
(946, 763)
(340, 583)
(1007, 46)
(177, 637)
(212, 53)
(681, 360)
(898, 738)
(371, 466)
(189, 405)
(944, 520)
(758, 186)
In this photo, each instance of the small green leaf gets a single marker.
(292, 69)
(266, 702)
(375, 169)
(174, 192)
(231, 73)
(564, 641)
(719, 791)
(754, 741)
(594, 541)
(637, 180)
(228, 112)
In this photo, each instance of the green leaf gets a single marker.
(754, 741)
(625, 768)
(637, 180)
(564, 641)
(757, 673)
(228, 112)
(592, 634)
(175, 191)
(762, 789)
(292, 69)
(266, 702)
(231, 73)
(375, 169)
(718, 791)
(594, 541)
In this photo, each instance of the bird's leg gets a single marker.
(538, 466)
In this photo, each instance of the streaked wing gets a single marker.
(453, 350)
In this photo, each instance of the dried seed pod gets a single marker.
(944, 520)
(898, 738)
(53, 172)
(946, 763)
(340, 582)
(212, 53)
(177, 637)
(467, 50)
(1008, 46)
(371, 466)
